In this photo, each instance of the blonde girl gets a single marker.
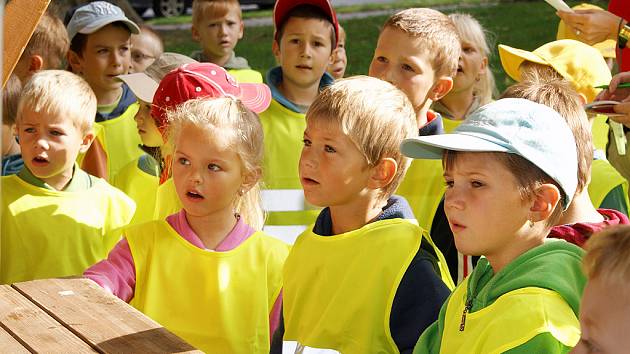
(205, 273)
(473, 86)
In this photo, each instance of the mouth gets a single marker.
(40, 160)
(194, 195)
(307, 182)
(224, 43)
(460, 69)
(456, 227)
(303, 67)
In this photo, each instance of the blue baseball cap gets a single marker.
(511, 125)
(96, 15)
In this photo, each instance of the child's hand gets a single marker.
(615, 93)
(591, 26)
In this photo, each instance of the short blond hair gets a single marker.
(437, 34)
(470, 30)
(542, 86)
(61, 93)
(374, 114)
(213, 8)
(246, 136)
(50, 41)
(608, 256)
(10, 98)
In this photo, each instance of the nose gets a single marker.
(223, 29)
(453, 199)
(42, 143)
(195, 176)
(307, 160)
(306, 50)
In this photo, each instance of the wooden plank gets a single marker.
(35, 329)
(8, 344)
(101, 319)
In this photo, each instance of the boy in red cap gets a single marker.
(306, 34)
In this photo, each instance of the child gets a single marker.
(510, 170)
(12, 161)
(218, 25)
(605, 309)
(140, 178)
(56, 219)
(473, 86)
(195, 80)
(146, 47)
(45, 50)
(306, 33)
(99, 51)
(418, 51)
(581, 219)
(380, 299)
(338, 67)
(584, 67)
(204, 273)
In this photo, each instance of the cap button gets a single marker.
(213, 72)
(198, 89)
(167, 99)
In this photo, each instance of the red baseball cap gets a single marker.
(283, 7)
(198, 80)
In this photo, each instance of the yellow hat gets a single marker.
(575, 61)
(20, 20)
(607, 47)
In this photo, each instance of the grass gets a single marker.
(525, 25)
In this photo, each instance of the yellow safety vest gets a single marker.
(336, 297)
(246, 75)
(423, 186)
(218, 301)
(450, 124)
(512, 320)
(288, 212)
(166, 200)
(604, 178)
(120, 139)
(600, 132)
(139, 186)
(48, 233)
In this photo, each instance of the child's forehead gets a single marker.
(311, 26)
(220, 11)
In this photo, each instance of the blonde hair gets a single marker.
(246, 137)
(213, 9)
(608, 255)
(471, 31)
(541, 86)
(374, 114)
(10, 98)
(60, 93)
(437, 34)
(50, 40)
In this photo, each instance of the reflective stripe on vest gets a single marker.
(47, 233)
(512, 320)
(605, 178)
(295, 347)
(331, 301)
(218, 301)
(286, 233)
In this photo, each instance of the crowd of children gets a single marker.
(411, 210)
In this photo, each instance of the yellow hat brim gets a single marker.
(512, 58)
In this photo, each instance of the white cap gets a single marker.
(94, 16)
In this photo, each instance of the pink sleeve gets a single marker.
(117, 273)
(274, 316)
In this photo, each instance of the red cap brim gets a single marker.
(256, 97)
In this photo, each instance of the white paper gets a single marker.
(559, 5)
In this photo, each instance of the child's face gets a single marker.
(338, 66)
(149, 133)
(484, 207)
(144, 50)
(50, 145)
(207, 180)
(332, 169)
(400, 60)
(106, 55)
(305, 50)
(604, 313)
(219, 35)
(472, 65)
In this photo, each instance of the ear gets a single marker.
(250, 179)
(582, 98)
(36, 63)
(383, 173)
(195, 34)
(241, 30)
(75, 62)
(546, 198)
(86, 142)
(275, 49)
(441, 87)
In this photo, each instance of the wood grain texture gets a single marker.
(8, 344)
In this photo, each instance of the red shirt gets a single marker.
(621, 8)
(579, 233)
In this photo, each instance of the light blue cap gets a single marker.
(96, 15)
(512, 125)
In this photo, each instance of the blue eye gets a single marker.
(183, 161)
(214, 167)
(329, 148)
